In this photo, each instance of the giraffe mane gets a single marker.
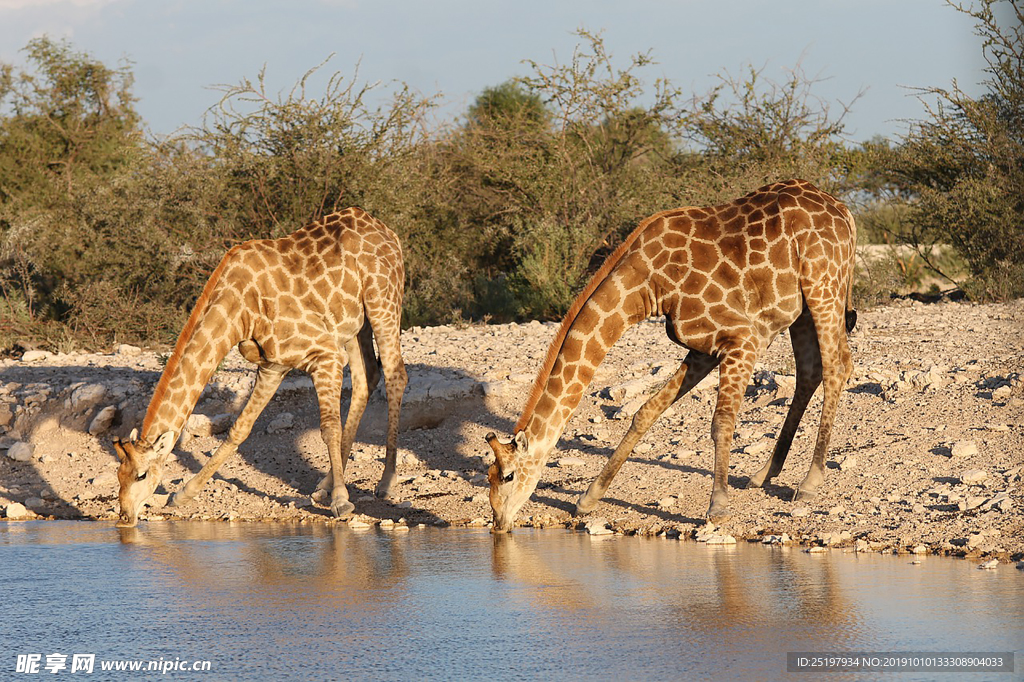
(570, 317)
(186, 334)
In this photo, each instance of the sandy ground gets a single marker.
(926, 455)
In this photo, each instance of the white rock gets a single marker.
(281, 422)
(598, 526)
(568, 462)
(105, 478)
(756, 448)
(36, 355)
(800, 512)
(667, 502)
(127, 349)
(627, 390)
(815, 550)
(974, 476)
(88, 395)
(919, 549)
(963, 448)
(355, 523)
(15, 510)
(34, 502)
(989, 565)
(849, 462)
(21, 452)
(721, 540)
(100, 424)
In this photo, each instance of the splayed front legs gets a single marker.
(690, 373)
(268, 378)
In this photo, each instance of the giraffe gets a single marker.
(728, 280)
(314, 300)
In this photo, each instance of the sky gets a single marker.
(180, 49)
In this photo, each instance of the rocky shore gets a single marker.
(927, 455)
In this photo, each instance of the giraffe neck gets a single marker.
(581, 347)
(212, 329)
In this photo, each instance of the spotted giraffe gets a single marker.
(313, 300)
(727, 279)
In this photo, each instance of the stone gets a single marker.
(776, 539)
(720, 540)
(963, 448)
(280, 423)
(972, 502)
(356, 523)
(919, 549)
(16, 510)
(627, 390)
(817, 549)
(6, 415)
(569, 462)
(101, 423)
(974, 476)
(800, 512)
(36, 356)
(849, 462)
(21, 452)
(989, 565)
(598, 526)
(127, 349)
(34, 502)
(756, 448)
(105, 478)
(86, 396)
(667, 502)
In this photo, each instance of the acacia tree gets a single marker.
(959, 174)
(68, 127)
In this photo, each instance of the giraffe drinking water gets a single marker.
(728, 280)
(314, 300)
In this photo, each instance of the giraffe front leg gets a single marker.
(690, 373)
(268, 378)
(734, 376)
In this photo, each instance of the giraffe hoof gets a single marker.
(383, 489)
(756, 482)
(584, 505)
(342, 510)
(803, 496)
(178, 499)
(718, 513)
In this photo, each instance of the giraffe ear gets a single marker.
(520, 441)
(133, 436)
(502, 455)
(164, 444)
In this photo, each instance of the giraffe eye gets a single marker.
(142, 476)
(508, 477)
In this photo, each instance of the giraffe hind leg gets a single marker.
(695, 367)
(837, 365)
(365, 373)
(808, 377)
(388, 334)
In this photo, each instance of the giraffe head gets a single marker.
(140, 471)
(511, 483)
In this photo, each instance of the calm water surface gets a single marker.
(313, 602)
